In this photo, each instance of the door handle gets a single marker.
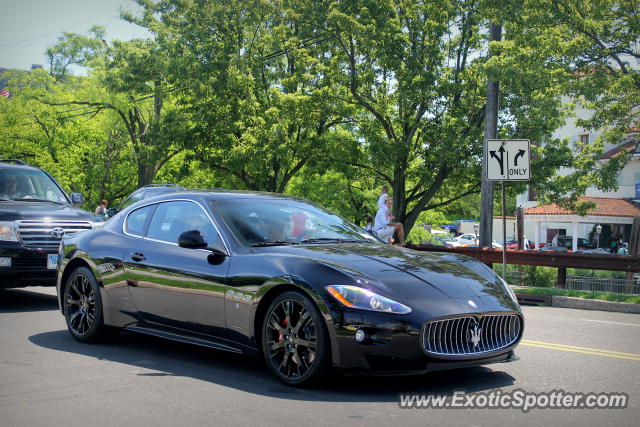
(138, 256)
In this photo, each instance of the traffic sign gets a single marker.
(507, 160)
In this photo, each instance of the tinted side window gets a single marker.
(174, 218)
(137, 219)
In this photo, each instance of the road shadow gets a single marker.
(162, 358)
(22, 300)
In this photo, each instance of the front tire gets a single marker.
(83, 307)
(295, 342)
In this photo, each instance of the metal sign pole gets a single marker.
(504, 236)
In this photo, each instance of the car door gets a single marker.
(175, 286)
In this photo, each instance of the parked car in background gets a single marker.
(510, 242)
(567, 242)
(35, 213)
(144, 193)
(598, 251)
(552, 249)
(467, 239)
(239, 272)
(471, 240)
(444, 238)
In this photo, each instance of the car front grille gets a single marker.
(40, 234)
(471, 335)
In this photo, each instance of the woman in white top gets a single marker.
(383, 196)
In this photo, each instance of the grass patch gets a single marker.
(603, 296)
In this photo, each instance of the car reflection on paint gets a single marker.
(286, 280)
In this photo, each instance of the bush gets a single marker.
(604, 274)
(419, 235)
(529, 275)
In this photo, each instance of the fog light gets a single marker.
(360, 335)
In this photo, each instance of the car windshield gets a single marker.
(257, 222)
(17, 184)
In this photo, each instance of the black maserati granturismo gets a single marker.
(284, 279)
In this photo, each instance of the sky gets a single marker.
(30, 26)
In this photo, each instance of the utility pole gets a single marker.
(490, 130)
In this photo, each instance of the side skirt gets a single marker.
(186, 337)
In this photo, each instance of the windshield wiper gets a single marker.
(24, 199)
(275, 243)
(332, 240)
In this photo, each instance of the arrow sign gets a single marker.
(521, 153)
(507, 160)
(499, 159)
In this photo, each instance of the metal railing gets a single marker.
(600, 284)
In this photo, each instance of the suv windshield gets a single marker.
(19, 184)
(282, 221)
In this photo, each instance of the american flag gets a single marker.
(4, 93)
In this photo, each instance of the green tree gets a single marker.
(587, 51)
(84, 153)
(74, 50)
(131, 83)
(253, 82)
(416, 70)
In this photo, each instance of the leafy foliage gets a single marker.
(329, 100)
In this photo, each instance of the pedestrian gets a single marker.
(383, 226)
(383, 196)
(525, 244)
(554, 241)
(102, 208)
(615, 245)
(624, 249)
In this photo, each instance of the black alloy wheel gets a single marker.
(294, 340)
(83, 306)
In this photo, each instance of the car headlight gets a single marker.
(363, 299)
(8, 231)
(97, 224)
(509, 290)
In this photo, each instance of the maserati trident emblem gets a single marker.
(57, 232)
(473, 334)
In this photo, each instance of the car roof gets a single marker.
(6, 165)
(220, 194)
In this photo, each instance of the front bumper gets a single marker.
(28, 266)
(394, 346)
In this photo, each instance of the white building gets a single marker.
(540, 225)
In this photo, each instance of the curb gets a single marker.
(579, 303)
(592, 304)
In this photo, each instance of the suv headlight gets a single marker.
(8, 231)
(363, 299)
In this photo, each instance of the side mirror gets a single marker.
(192, 239)
(76, 198)
(112, 212)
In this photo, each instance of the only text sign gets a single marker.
(507, 160)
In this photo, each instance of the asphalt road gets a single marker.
(49, 379)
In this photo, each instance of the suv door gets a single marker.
(176, 286)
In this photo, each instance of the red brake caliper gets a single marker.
(280, 336)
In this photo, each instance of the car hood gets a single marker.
(17, 210)
(410, 276)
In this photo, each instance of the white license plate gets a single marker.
(52, 261)
(5, 261)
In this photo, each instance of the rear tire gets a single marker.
(295, 342)
(82, 307)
